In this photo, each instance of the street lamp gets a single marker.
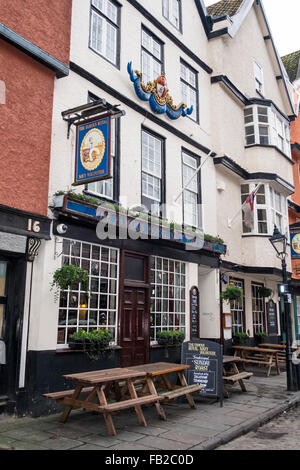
(279, 243)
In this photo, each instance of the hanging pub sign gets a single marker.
(157, 94)
(93, 159)
(295, 245)
(195, 313)
(272, 318)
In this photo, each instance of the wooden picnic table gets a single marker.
(281, 350)
(233, 375)
(100, 386)
(259, 356)
(158, 381)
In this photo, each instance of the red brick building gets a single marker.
(34, 53)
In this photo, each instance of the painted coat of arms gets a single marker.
(157, 94)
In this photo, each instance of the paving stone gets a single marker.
(134, 447)
(89, 447)
(6, 442)
(23, 445)
(185, 437)
(61, 443)
(76, 433)
(129, 436)
(36, 437)
(149, 430)
(103, 441)
(162, 443)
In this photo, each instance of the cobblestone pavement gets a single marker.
(282, 433)
(207, 427)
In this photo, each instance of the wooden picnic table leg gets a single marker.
(107, 416)
(184, 384)
(270, 365)
(153, 391)
(69, 408)
(138, 408)
(225, 391)
(277, 363)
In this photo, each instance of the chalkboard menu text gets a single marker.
(205, 359)
(195, 313)
(272, 318)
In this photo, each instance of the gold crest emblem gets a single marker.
(92, 149)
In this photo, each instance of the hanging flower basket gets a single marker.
(265, 292)
(232, 294)
(69, 277)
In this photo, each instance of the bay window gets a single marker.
(270, 208)
(265, 126)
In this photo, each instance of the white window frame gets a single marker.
(189, 81)
(150, 51)
(270, 210)
(160, 304)
(152, 174)
(81, 261)
(101, 14)
(193, 189)
(258, 315)
(278, 128)
(172, 12)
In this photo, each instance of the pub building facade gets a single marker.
(36, 51)
(292, 65)
(138, 287)
(253, 154)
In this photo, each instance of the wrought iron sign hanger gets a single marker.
(95, 108)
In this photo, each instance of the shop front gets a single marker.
(136, 289)
(20, 237)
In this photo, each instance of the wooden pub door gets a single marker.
(135, 309)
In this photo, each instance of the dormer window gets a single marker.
(265, 126)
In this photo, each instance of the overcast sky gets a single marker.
(284, 21)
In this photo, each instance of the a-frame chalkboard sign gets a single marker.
(205, 359)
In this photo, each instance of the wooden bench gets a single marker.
(258, 356)
(237, 378)
(178, 392)
(122, 405)
(65, 393)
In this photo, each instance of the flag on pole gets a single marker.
(248, 210)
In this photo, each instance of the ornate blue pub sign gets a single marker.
(93, 158)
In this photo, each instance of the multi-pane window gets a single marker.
(278, 210)
(98, 307)
(258, 308)
(238, 308)
(259, 77)
(105, 188)
(152, 57)
(168, 295)
(189, 88)
(264, 126)
(104, 35)
(270, 208)
(171, 11)
(191, 209)
(152, 172)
